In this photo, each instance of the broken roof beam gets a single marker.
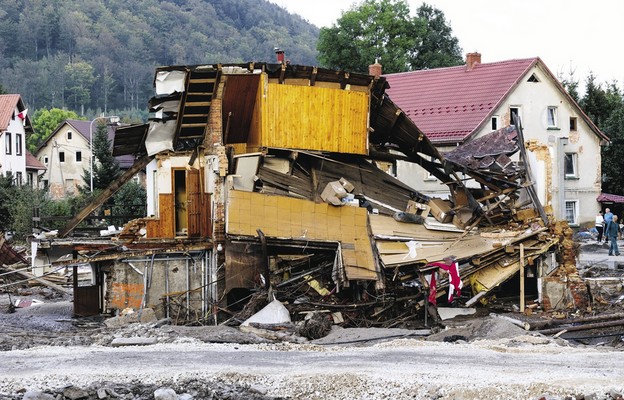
(105, 195)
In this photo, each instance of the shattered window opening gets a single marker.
(495, 122)
(552, 117)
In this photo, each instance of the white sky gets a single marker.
(567, 34)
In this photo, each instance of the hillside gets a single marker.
(91, 55)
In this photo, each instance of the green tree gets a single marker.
(131, 199)
(7, 197)
(105, 166)
(44, 123)
(80, 81)
(613, 153)
(2, 90)
(438, 47)
(596, 102)
(384, 30)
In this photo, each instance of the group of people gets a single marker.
(608, 225)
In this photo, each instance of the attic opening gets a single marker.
(240, 114)
(533, 78)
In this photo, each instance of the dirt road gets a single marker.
(521, 368)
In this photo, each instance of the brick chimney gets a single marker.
(375, 69)
(280, 55)
(472, 59)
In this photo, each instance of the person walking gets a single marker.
(608, 217)
(599, 225)
(611, 231)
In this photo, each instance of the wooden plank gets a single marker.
(202, 80)
(197, 104)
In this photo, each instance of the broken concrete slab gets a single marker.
(452, 312)
(133, 341)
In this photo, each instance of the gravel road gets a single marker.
(525, 367)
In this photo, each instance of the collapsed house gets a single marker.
(270, 178)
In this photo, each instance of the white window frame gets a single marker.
(552, 117)
(63, 158)
(76, 157)
(519, 108)
(19, 144)
(573, 207)
(575, 119)
(429, 177)
(46, 160)
(70, 135)
(7, 143)
(574, 158)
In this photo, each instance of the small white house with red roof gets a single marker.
(457, 104)
(14, 126)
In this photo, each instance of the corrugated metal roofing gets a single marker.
(448, 104)
(8, 102)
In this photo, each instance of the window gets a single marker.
(44, 182)
(69, 135)
(533, 78)
(18, 144)
(45, 160)
(572, 124)
(428, 175)
(7, 142)
(552, 117)
(61, 156)
(30, 178)
(571, 211)
(569, 165)
(79, 156)
(495, 122)
(514, 115)
(18, 178)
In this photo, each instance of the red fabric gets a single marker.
(455, 282)
(433, 290)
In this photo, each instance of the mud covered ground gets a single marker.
(48, 355)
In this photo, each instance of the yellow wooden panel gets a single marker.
(312, 118)
(286, 217)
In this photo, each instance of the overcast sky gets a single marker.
(582, 35)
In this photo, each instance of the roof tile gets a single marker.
(448, 104)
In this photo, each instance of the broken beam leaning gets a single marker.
(105, 195)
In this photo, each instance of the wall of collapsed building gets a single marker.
(291, 204)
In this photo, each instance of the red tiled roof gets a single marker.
(448, 104)
(8, 102)
(610, 198)
(33, 163)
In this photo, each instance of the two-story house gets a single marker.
(14, 126)
(66, 154)
(457, 104)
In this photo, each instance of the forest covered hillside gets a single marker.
(99, 55)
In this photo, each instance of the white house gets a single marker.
(456, 104)
(66, 153)
(14, 126)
